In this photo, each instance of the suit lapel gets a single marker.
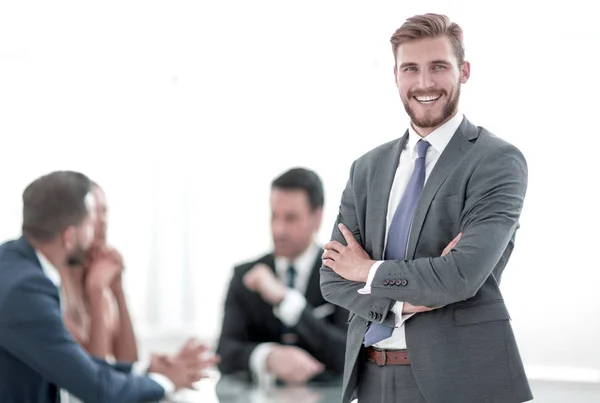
(380, 194)
(453, 153)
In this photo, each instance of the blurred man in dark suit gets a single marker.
(276, 325)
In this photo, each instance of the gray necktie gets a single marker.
(399, 231)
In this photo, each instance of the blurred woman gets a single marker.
(94, 304)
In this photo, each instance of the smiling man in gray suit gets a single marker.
(426, 226)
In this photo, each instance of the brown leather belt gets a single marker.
(387, 357)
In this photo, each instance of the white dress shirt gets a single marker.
(291, 307)
(138, 368)
(438, 140)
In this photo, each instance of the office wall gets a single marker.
(185, 111)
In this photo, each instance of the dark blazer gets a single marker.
(465, 351)
(38, 356)
(249, 321)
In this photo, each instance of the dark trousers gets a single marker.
(387, 384)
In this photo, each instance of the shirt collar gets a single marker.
(438, 139)
(303, 263)
(49, 270)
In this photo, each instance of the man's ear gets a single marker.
(69, 238)
(318, 217)
(465, 72)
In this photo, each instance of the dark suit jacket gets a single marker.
(38, 356)
(249, 321)
(465, 351)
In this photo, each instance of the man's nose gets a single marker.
(426, 79)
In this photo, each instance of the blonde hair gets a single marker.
(430, 26)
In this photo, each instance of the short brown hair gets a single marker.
(54, 202)
(303, 179)
(429, 26)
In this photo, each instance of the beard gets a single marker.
(433, 120)
(77, 257)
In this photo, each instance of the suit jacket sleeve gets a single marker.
(120, 366)
(489, 220)
(234, 346)
(326, 339)
(33, 332)
(344, 293)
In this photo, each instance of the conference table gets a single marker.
(234, 389)
(230, 389)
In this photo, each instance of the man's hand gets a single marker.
(178, 372)
(451, 245)
(262, 280)
(195, 354)
(186, 367)
(408, 308)
(351, 262)
(292, 364)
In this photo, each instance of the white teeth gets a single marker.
(428, 98)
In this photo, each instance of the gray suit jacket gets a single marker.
(464, 352)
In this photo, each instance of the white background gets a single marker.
(185, 111)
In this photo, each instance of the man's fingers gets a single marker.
(260, 266)
(209, 362)
(197, 361)
(190, 344)
(330, 254)
(334, 245)
(250, 280)
(313, 369)
(329, 263)
(194, 376)
(408, 308)
(318, 367)
(452, 244)
(348, 236)
(194, 349)
(307, 372)
(202, 348)
(190, 384)
(455, 240)
(446, 250)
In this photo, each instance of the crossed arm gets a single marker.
(488, 222)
